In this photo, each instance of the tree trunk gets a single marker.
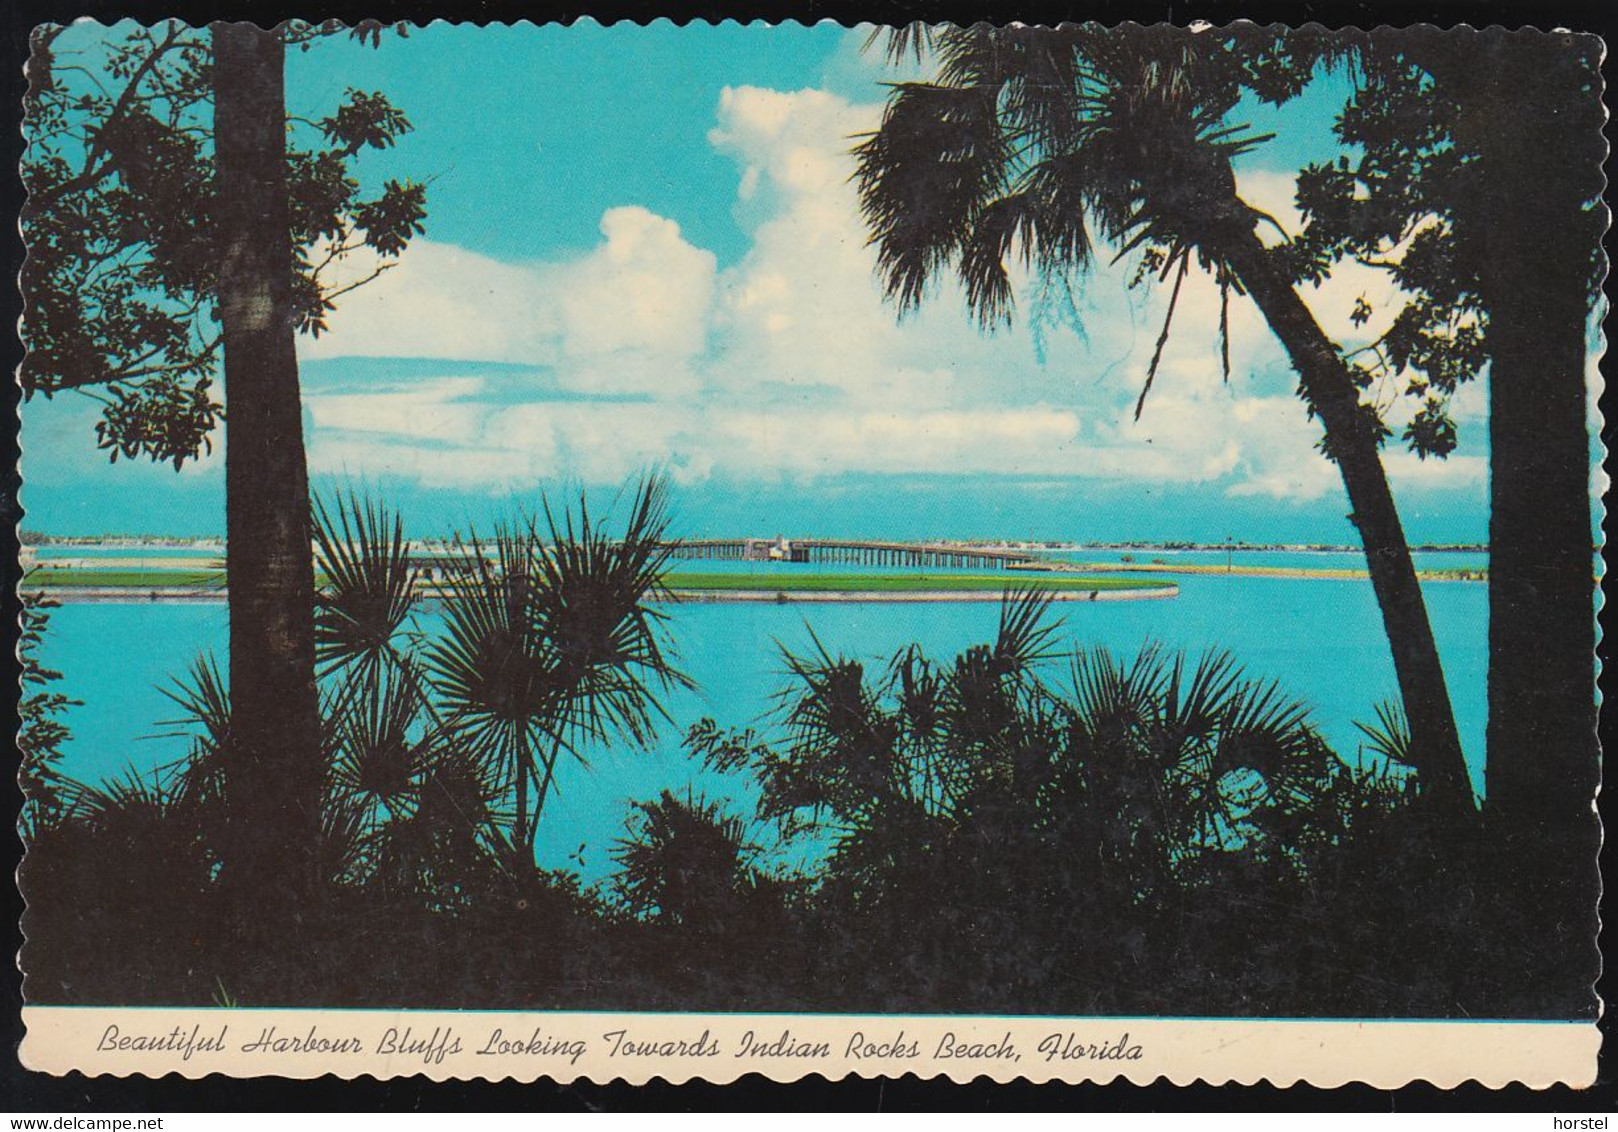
(1327, 386)
(1538, 139)
(1530, 109)
(274, 773)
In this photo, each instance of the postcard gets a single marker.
(590, 552)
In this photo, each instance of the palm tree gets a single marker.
(1040, 142)
(551, 644)
(1188, 765)
(688, 861)
(368, 591)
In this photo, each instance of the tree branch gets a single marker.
(330, 295)
(91, 174)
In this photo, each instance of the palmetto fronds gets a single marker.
(203, 697)
(842, 742)
(487, 669)
(1389, 736)
(550, 642)
(608, 647)
(1026, 634)
(686, 860)
(864, 746)
(1217, 744)
(1151, 768)
(380, 745)
(367, 592)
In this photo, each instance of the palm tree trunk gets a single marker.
(523, 773)
(1328, 388)
(274, 779)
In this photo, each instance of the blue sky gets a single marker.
(642, 250)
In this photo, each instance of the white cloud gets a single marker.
(440, 301)
(478, 467)
(1406, 469)
(627, 315)
(428, 411)
(1012, 441)
(789, 363)
(639, 303)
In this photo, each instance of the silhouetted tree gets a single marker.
(41, 731)
(1478, 188)
(161, 247)
(1530, 108)
(551, 643)
(1016, 829)
(273, 779)
(1003, 840)
(1034, 142)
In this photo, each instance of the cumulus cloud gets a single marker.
(640, 296)
(635, 310)
(438, 301)
(788, 363)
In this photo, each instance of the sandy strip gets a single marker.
(878, 597)
(1211, 570)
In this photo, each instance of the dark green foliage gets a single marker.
(1047, 143)
(362, 554)
(1152, 771)
(203, 698)
(1018, 828)
(122, 270)
(686, 861)
(1395, 203)
(40, 733)
(550, 643)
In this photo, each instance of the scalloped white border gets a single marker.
(444, 1045)
(1384, 1054)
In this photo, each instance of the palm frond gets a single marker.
(203, 697)
(686, 860)
(1389, 736)
(1025, 635)
(551, 641)
(912, 40)
(369, 585)
(379, 746)
(608, 650)
(924, 178)
(1031, 138)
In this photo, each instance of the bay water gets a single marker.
(1321, 639)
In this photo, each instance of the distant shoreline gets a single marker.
(217, 546)
(178, 595)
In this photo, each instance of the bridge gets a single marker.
(858, 552)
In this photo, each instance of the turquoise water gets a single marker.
(1321, 639)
